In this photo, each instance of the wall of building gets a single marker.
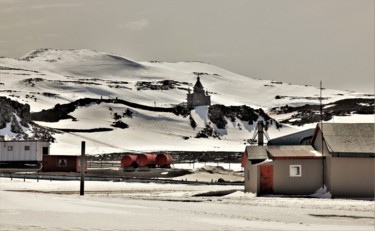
(198, 99)
(327, 172)
(352, 177)
(251, 178)
(310, 180)
(247, 176)
(60, 163)
(322, 148)
(19, 153)
(318, 144)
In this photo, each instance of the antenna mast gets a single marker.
(321, 104)
(321, 111)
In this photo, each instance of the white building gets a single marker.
(19, 153)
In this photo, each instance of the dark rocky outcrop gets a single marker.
(193, 124)
(61, 111)
(206, 132)
(218, 114)
(9, 108)
(311, 113)
(119, 124)
(160, 85)
(85, 130)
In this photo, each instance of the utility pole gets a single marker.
(82, 188)
(260, 133)
(321, 129)
(321, 111)
(321, 103)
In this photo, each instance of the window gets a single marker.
(10, 148)
(45, 151)
(295, 170)
(27, 148)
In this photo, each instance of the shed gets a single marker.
(349, 150)
(62, 163)
(288, 170)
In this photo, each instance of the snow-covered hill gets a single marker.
(47, 77)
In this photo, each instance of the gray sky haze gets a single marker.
(295, 41)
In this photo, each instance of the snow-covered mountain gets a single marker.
(47, 77)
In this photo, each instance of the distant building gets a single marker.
(63, 163)
(199, 97)
(19, 153)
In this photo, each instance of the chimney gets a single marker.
(260, 133)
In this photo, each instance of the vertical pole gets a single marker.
(321, 130)
(321, 105)
(260, 133)
(82, 188)
(321, 123)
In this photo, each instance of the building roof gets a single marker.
(293, 152)
(256, 152)
(349, 139)
(24, 141)
(260, 153)
(292, 139)
(198, 85)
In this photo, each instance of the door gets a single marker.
(266, 179)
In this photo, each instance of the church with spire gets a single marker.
(199, 97)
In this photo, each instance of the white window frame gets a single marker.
(27, 147)
(10, 148)
(292, 172)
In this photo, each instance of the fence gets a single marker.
(113, 179)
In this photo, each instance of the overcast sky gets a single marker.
(296, 41)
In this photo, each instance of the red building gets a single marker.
(62, 163)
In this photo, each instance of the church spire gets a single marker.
(198, 87)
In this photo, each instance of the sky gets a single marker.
(294, 41)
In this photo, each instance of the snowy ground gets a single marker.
(56, 205)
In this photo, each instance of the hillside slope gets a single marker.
(47, 78)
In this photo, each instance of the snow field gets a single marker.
(136, 206)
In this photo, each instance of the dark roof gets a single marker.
(198, 84)
(292, 139)
(349, 139)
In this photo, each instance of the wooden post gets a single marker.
(82, 188)
(260, 133)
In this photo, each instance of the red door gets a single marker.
(266, 179)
